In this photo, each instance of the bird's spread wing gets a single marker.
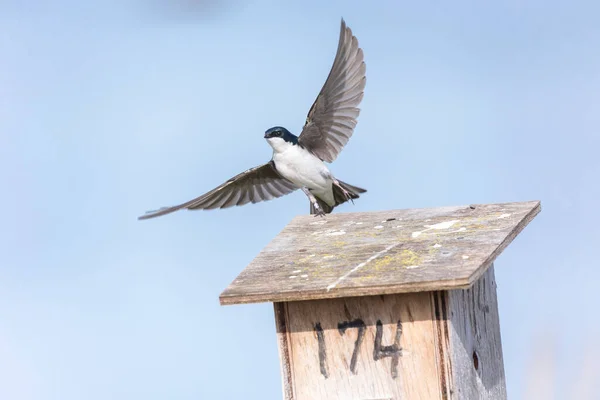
(332, 117)
(256, 184)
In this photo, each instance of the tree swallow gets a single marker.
(298, 162)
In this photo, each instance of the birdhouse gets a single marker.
(387, 305)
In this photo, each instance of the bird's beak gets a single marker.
(266, 135)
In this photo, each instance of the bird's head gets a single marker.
(279, 136)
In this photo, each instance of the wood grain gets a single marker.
(358, 254)
(373, 376)
(283, 345)
(448, 346)
(475, 346)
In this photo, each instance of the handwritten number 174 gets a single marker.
(379, 351)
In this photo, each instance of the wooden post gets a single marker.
(387, 305)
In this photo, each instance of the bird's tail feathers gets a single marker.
(352, 189)
(339, 196)
(352, 192)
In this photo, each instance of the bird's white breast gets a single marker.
(302, 168)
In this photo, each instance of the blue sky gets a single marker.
(111, 108)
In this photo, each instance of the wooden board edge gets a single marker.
(321, 294)
(305, 217)
(508, 240)
(285, 358)
(439, 312)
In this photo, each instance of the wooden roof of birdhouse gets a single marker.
(383, 252)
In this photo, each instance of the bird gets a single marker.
(298, 162)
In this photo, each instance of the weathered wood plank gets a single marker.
(358, 254)
(283, 345)
(475, 346)
(431, 345)
(374, 347)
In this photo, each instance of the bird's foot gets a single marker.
(318, 210)
(346, 193)
(348, 196)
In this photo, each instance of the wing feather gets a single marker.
(332, 118)
(261, 183)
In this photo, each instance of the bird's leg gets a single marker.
(314, 202)
(344, 191)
